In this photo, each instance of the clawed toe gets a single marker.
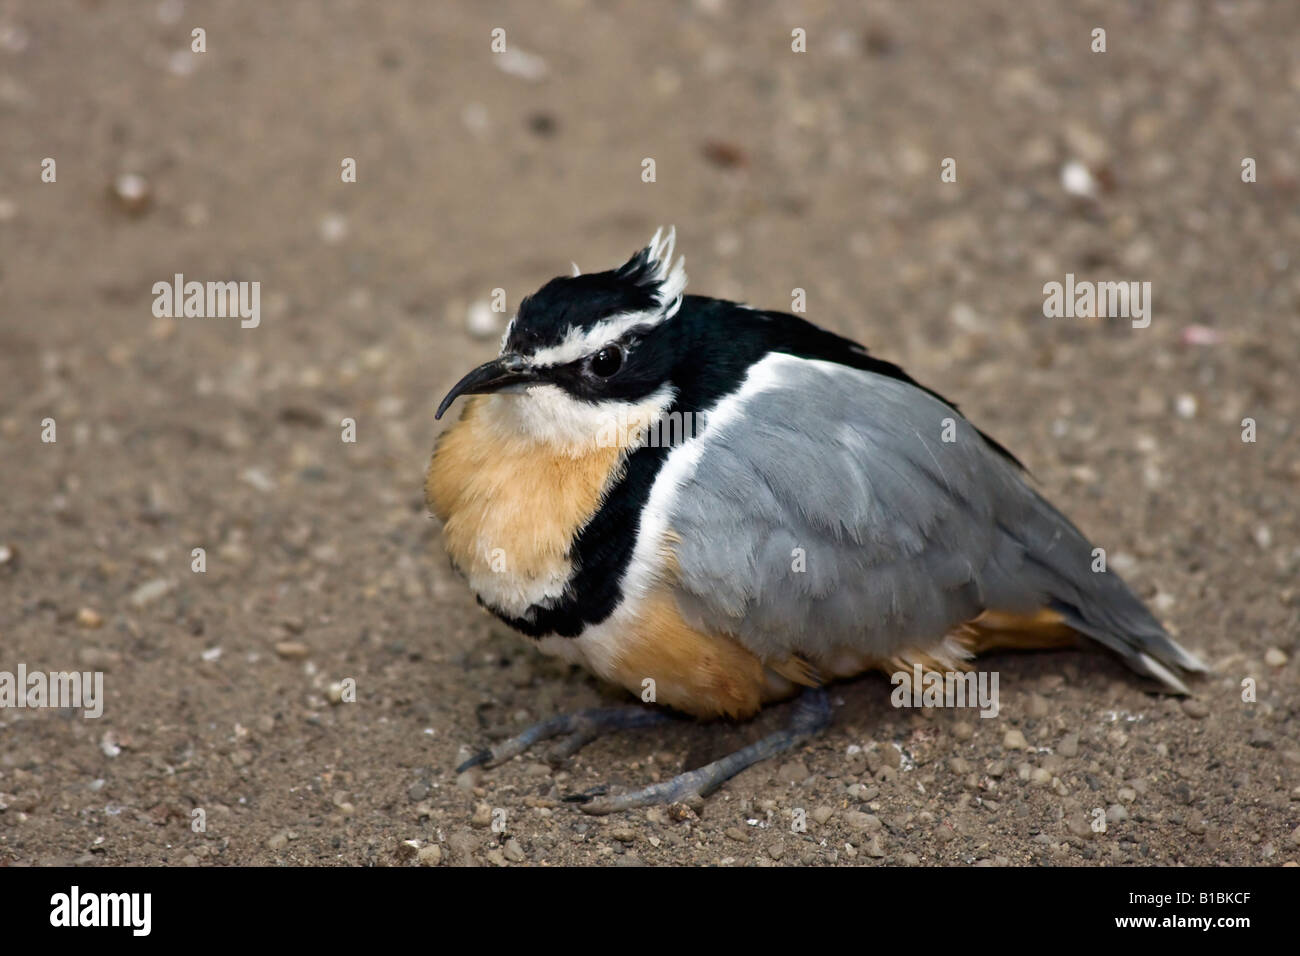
(812, 713)
(578, 728)
(479, 759)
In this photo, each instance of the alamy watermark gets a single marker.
(78, 690)
(919, 688)
(632, 429)
(209, 300)
(1092, 300)
(130, 910)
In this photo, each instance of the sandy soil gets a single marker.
(780, 170)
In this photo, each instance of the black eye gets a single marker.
(607, 361)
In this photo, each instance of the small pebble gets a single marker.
(1273, 657)
(1261, 738)
(681, 813)
(857, 820)
(517, 62)
(429, 855)
(1078, 825)
(333, 228)
(132, 194)
(292, 650)
(1015, 740)
(1069, 746)
(462, 845)
(1200, 335)
(14, 38)
(1195, 708)
(1077, 180)
(864, 793)
(182, 62)
(482, 816)
(149, 592)
(259, 479)
(90, 619)
(1123, 562)
(481, 322)
(792, 772)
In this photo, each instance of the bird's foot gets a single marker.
(578, 729)
(812, 714)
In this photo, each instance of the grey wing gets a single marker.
(845, 509)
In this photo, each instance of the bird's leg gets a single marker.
(812, 714)
(580, 728)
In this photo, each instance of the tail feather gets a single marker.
(1149, 651)
(1099, 605)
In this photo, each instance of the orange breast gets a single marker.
(510, 506)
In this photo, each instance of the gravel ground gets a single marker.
(478, 171)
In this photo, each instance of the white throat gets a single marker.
(548, 415)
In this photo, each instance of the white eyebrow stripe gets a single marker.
(669, 279)
(580, 342)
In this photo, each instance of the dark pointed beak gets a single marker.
(493, 376)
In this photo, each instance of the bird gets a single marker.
(720, 507)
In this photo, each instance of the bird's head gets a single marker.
(586, 351)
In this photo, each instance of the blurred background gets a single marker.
(477, 170)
